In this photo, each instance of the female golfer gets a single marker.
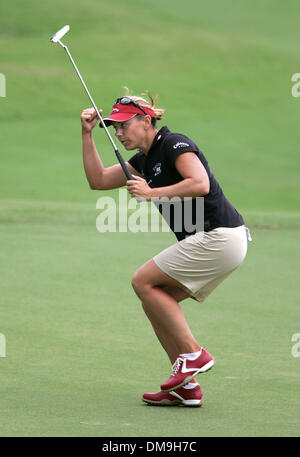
(170, 165)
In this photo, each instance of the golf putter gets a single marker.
(56, 38)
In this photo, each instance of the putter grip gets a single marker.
(126, 171)
(123, 165)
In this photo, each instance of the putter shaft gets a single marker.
(56, 38)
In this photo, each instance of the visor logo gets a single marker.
(115, 110)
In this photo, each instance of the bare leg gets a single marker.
(160, 295)
(162, 335)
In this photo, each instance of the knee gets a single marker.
(136, 282)
(139, 283)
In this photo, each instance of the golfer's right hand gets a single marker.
(89, 119)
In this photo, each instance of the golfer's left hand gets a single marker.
(138, 188)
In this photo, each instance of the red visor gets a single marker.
(121, 113)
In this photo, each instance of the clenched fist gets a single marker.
(89, 119)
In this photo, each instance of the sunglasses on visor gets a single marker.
(128, 101)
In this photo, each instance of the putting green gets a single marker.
(79, 350)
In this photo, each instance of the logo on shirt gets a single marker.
(157, 169)
(180, 144)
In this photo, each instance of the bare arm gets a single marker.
(98, 176)
(195, 181)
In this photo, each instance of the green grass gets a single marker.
(74, 329)
(73, 337)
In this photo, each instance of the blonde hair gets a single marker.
(152, 103)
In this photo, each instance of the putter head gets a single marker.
(59, 34)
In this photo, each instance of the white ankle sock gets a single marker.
(192, 356)
(191, 385)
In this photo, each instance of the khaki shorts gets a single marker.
(202, 261)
